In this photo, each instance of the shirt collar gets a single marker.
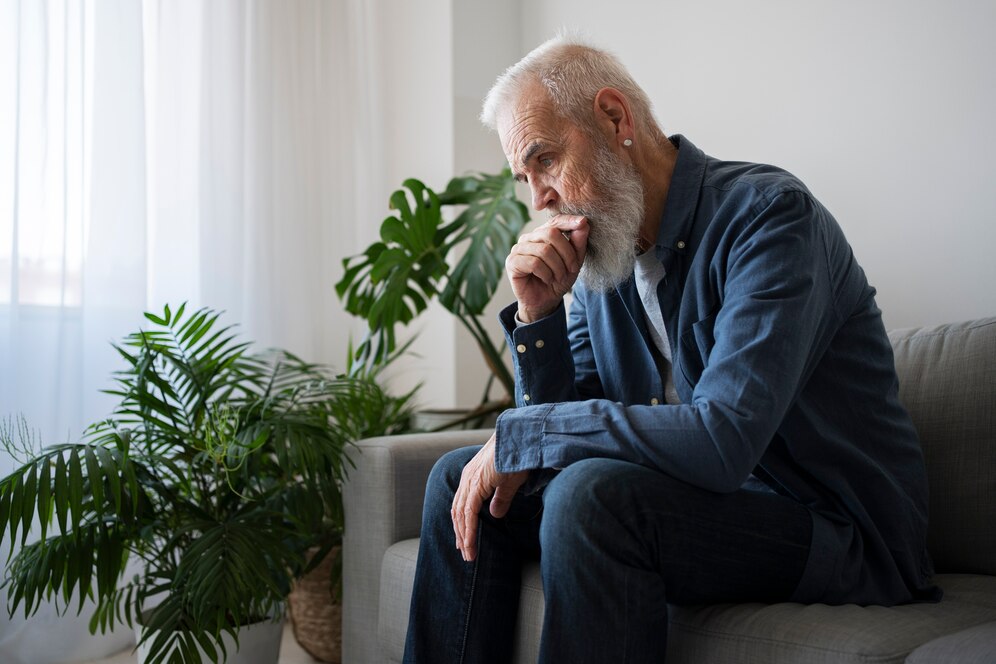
(678, 218)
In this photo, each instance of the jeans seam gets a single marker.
(470, 604)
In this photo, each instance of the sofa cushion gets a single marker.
(976, 645)
(947, 380)
(817, 633)
(743, 633)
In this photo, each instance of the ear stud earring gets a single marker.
(628, 142)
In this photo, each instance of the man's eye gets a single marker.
(546, 162)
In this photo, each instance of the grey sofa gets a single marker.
(948, 382)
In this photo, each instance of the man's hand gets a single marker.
(479, 482)
(544, 264)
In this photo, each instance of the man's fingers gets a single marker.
(505, 492)
(560, 261)
(520, 264)
(466, 505)
(455, 512)
(459, 500)
(575, 231)
(502, 501)
(579, 239)
(470, 516)
(551, 240)
(566, 222)
(457, 535)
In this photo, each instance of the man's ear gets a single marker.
(613, 115)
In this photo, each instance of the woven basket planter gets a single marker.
(315, 615)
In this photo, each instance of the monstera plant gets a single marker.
(217, 471)
(421, 256)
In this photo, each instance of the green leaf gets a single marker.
(84, 557)
(96, 480)
(72, 573)
(128, 473)
(109, 469)
(392, 282)
(45, 495)
(194, 325)
(179, 314)
(489, 226)
(28, 503)
(61, 492)
(4, 512)
(75, 489)
(207, 645)
(57, 564)
(16, 507)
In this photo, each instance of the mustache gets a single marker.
(572, 210)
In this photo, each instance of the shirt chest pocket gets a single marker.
(696, 345)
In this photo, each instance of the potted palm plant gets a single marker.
(218, 470)
(421, 257)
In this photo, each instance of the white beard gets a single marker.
(613, 222)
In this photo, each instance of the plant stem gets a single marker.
(491, 354)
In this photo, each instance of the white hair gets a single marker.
(572, 72)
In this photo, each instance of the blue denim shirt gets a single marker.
(782, 364)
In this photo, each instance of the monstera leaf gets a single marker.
(393, 280)
(491, 223)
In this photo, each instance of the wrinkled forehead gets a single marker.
(526, 119)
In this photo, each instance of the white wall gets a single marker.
(413, 134)
(437, 60)
(885, 109)
(485, 42)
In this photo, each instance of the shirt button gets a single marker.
(681, 244)
(654, 401)
(521, 348)
(540, 343)
(525, 397)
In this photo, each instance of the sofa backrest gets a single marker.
(947, 380)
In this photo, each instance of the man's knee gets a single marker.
(445, 476)
(583, 498)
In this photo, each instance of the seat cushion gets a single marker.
(742, 633)
(976, 645)
(809, 634)
(947, 380)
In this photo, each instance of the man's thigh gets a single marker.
(706, 547)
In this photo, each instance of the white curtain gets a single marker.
(168, 151)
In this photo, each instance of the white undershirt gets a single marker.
(648, 272)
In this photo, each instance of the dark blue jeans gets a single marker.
(616, 543)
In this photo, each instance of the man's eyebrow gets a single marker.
(531, 152)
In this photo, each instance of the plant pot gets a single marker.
(316, 616)
(259, 643)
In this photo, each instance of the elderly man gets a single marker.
(715, 419)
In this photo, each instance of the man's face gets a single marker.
(571, 172)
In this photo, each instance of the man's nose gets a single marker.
(543, 196)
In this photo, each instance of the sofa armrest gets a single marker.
(383, 505)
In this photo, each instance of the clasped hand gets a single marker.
(544, 264)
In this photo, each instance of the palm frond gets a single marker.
(217, 469)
